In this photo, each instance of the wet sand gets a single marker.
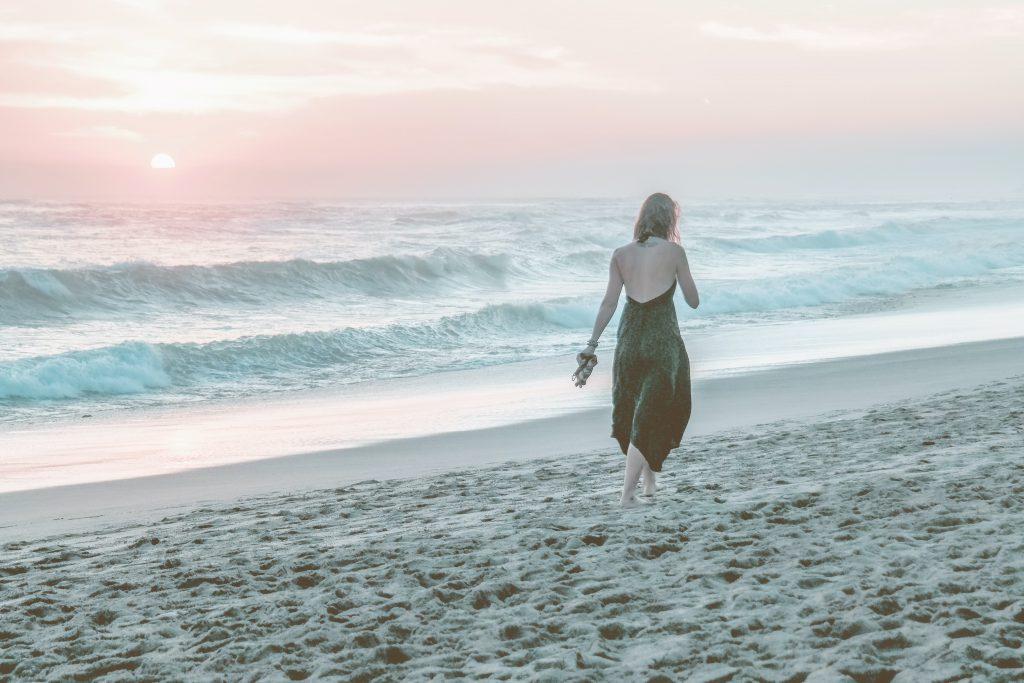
(739, 401)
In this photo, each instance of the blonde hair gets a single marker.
(659, 216)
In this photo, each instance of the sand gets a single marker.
(872, 545)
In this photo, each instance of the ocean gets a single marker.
(108, 307)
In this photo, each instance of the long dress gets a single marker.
(650, 379)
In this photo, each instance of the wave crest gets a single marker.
(29, 294)
(840, 285)
(856, 237)
(129, 368)
(286, 360)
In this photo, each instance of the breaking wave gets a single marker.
(285, 359)
(32, 294)
(838, 285)
(941, 230)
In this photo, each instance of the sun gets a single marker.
(162, 161)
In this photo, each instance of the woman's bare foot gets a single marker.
(649, 484)
(634, 466)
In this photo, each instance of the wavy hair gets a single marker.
(659, 216)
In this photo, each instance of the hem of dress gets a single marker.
(625, 450)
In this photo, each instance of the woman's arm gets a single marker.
(686, 282)
(608, 304)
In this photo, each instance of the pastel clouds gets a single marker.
(106, 132)
(908, 30)
(252, 67)
(827, 38)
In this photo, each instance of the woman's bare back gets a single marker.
(648, 269)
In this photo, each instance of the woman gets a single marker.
(651, 371)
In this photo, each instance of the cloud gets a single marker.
(36, 33)
(107, 132)
(254, 67)
(911, 30)
(298, 36)
(813, 39)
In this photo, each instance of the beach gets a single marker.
(876, 541)
(292, 295)
(298, 454)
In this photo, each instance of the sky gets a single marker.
(477, 98)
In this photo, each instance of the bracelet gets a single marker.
(592, 342)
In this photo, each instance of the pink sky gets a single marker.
(456, 98)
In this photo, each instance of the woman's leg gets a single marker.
(634, 465)
(649, 485)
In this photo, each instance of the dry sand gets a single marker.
(869, 546)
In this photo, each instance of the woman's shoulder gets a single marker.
(667, 245)
(625, 248)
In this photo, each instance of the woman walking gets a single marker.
(651, 371)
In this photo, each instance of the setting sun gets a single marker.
(162, 161)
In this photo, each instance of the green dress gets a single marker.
(650, 379)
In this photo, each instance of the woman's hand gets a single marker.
(589, 351)
(586, 360)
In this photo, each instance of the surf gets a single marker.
(41, 294)
(284, 360)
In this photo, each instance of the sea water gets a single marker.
(108, 307)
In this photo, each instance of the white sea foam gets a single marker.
(940, 231)
(890, 277)
(124, 369)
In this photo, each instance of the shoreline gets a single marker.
(799, 392)
(108, 444)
